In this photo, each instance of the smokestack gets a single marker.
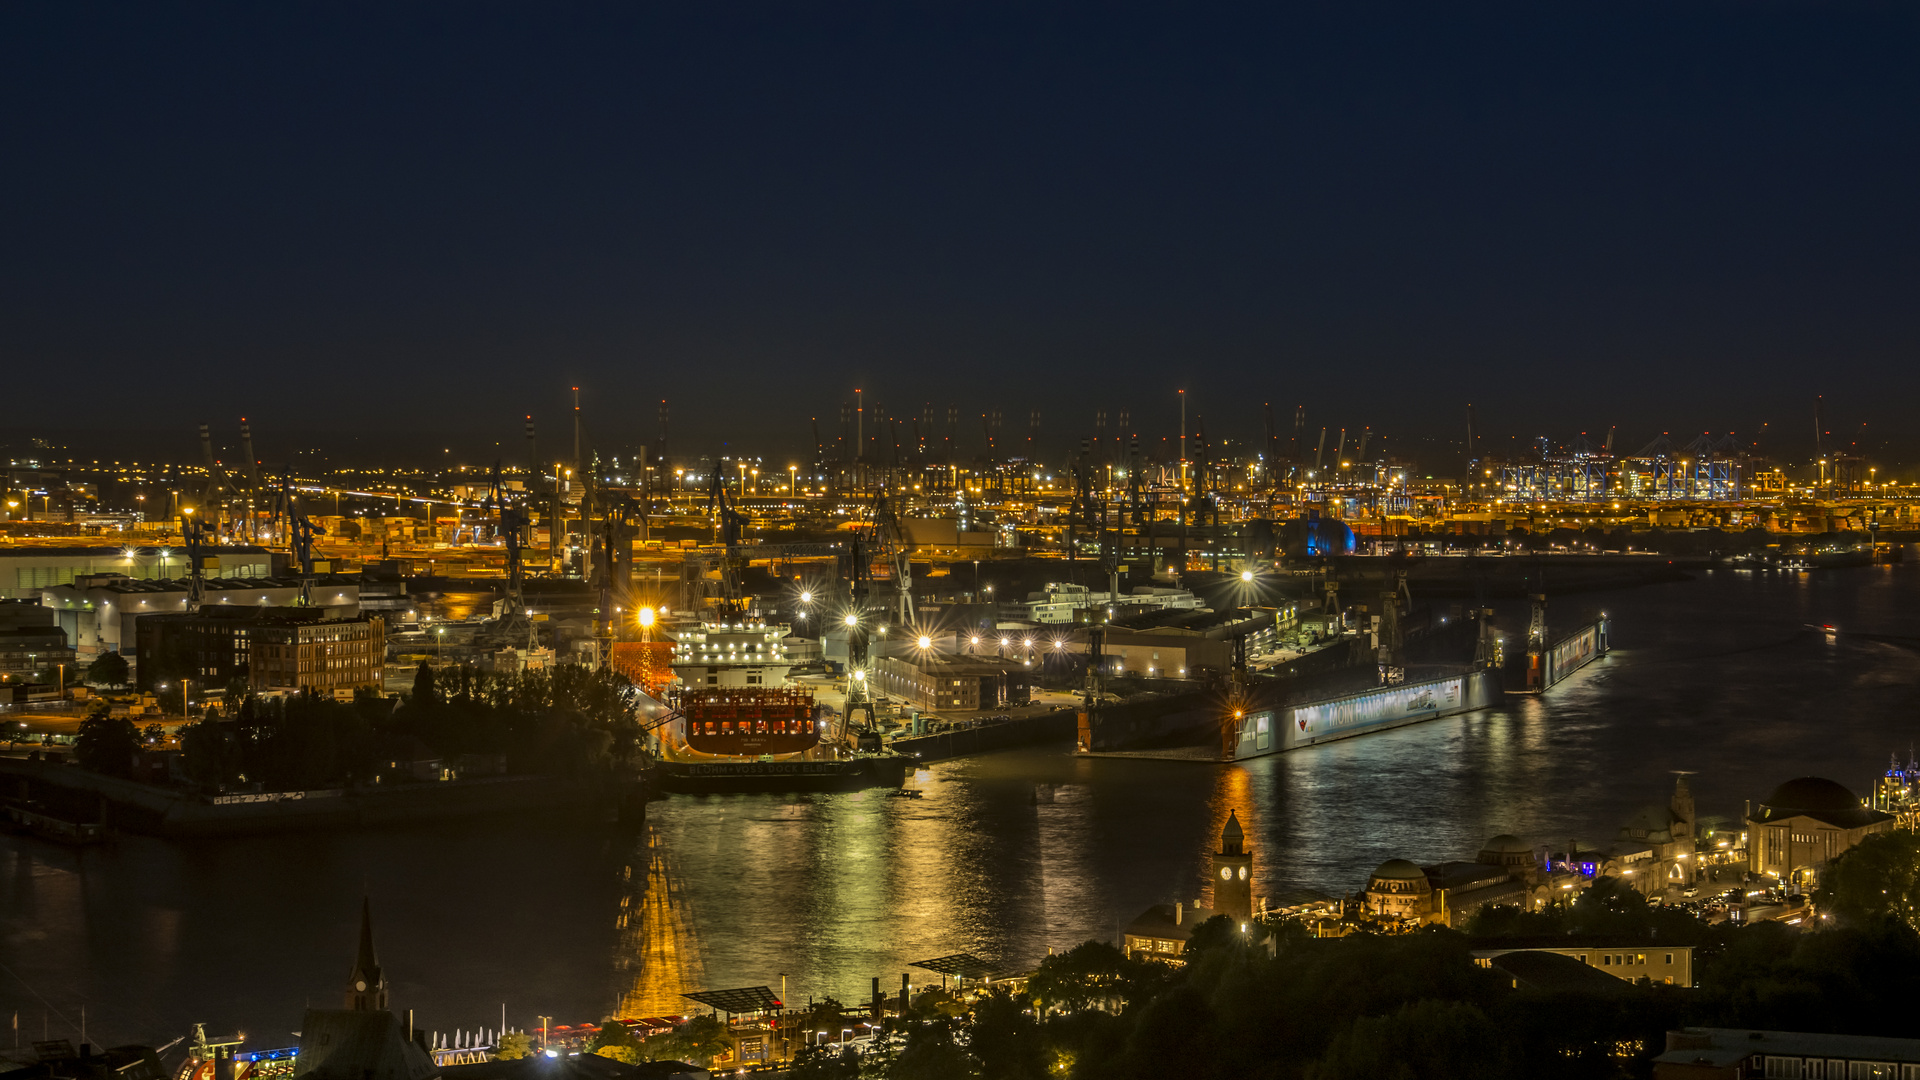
(1179, 913)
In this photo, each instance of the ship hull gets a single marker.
(752, 745)
(736, 777)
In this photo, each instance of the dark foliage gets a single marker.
(567, 722)
(1408, 1006)
(109, 669)
(106, 744)
(1878, 878)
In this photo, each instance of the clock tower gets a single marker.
(1233, 872)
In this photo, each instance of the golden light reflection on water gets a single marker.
(837, 889)
(1232, 795)
(659, 952)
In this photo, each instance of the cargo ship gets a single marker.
(736, 724)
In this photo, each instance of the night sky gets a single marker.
(410, 225)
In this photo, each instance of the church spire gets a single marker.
(366, 987)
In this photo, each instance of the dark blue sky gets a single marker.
(419, 222)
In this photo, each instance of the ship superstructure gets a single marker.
(727, 651)
(735, 700)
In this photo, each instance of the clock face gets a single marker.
(1226, 873)
(361, 985)
(1243, 873)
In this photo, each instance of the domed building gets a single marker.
(1510, 853)
(1399, 890)
(1804, 825)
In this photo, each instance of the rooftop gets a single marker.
(1726, 1046)
(1172, 921)
(1549, 971)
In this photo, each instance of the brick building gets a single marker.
(325, 649)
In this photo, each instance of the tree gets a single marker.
(1006, 1038)
(109, 670)
(824, 1063)
(107, 744)
(697, 1041)
(932, 1053)
(425, 689)
(1090, 973)
(211, 761)
(514, 1045)
(1875, 879)
(613, 1034)
(1427, 1039)
(1223, 933)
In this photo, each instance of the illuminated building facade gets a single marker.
(1804, 825)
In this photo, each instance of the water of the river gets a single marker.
(1718, 675)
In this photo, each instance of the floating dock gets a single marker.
(1569, 654)
(1291, 727)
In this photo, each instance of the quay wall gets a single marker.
(1027, 731)
(143, 808)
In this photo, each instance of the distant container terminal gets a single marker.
(897, 593)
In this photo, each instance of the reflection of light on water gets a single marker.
(659, 955)
(1070, 895)
(1232, 794)
(457, 606)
